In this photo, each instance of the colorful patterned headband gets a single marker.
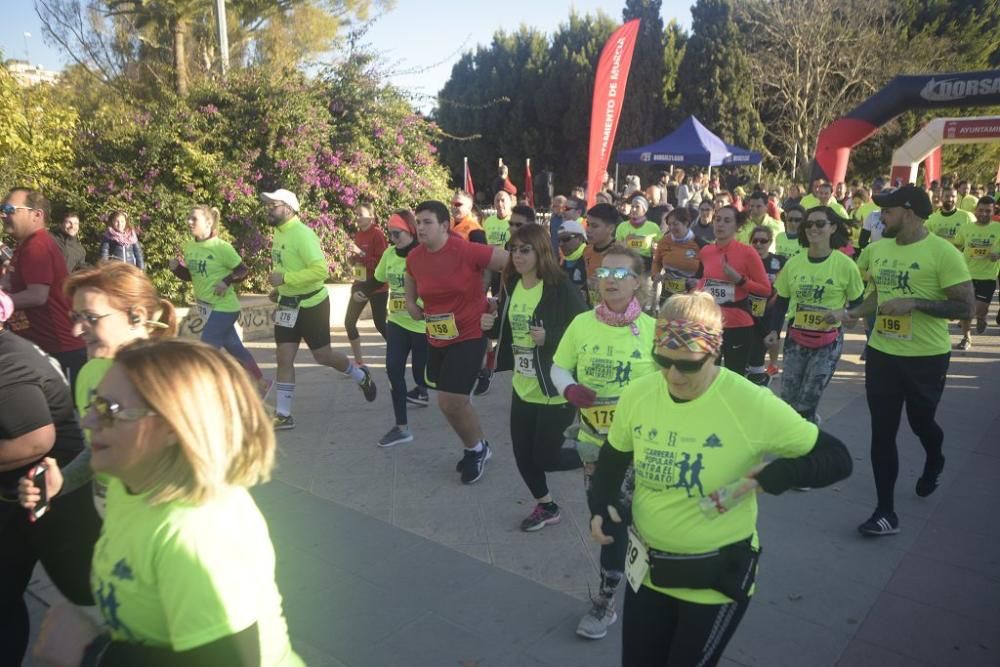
(688, 335)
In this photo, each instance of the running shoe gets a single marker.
(761, 379)
(367, 385)
(474, 464)
(395, 436)
(928, 481)
(981, 325)
(540, 517)
(594, 624)
(880, 524)
(772, 370)
(483, 381)
(283, 422)
(418, 396)
(964, 344)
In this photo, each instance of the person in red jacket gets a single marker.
(731, 271)
(369, 244)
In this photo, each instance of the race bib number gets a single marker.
(722, 292)
(979, 253)
(397, 304)
(638, 242)
(758, 305)
(899, 327)
(204, 310)
(811, 319)
(442, 327)
(360, 272)
(675, 285)
(598, 417)
(636, 560)
(286, 317)
(524, 360)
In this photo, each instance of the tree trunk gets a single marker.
(180, 58)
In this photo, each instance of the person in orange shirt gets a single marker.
(603, 220)
(675, 258)
(463, 222)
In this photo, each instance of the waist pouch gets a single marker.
(743, 304)
(731, 570)
(294, 301)
(813, 339)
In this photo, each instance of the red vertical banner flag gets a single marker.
(932, 167)
(467, 185)
(609, 95)
(529, 185)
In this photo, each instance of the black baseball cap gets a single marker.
(908, 196)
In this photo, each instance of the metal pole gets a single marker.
(220, 11)
(616, 177)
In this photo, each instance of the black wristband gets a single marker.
(742, 281)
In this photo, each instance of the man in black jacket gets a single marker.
(67, 238)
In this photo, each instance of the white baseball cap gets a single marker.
(286, 197)
(572, 227)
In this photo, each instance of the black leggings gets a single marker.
(736, 345)
(378, 301)
(891, 382)
(536, 432)
(401, 343)
(63, 540)
(661, 630)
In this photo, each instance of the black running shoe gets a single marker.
(367, 385)
(474, 463)
(418, 396)
(762, 379)
(964, 344)
(483, 381)
(928, 481)
(880, 524)
(981, 325)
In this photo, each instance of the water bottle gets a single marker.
(723, 499)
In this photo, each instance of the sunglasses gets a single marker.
(9, 209)
(567, 239)
(793, 218)
(109, 412)
(760, 241)
(394, 233)
(525, 249)
(89, 318)
(619, 273)
(457, 204)
(682, 365)
(818, 224)
(515, 225)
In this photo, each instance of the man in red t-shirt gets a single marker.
(446, 271)
(35, 281)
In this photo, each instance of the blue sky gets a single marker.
(420, 40)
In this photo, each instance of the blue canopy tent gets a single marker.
(690, 144)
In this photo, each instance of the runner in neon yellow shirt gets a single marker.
(967, 201)
(690, 430)
(920, 282)
(787, 244)
(497, 226)
(758, 217)
(946, 222)
(213, 266)
(299, 271)
(980, 244)
(639, 234)
(601, 353)
(822, 195)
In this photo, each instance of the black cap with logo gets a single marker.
(908, 196)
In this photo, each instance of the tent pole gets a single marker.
(760, 170)
(616, 176)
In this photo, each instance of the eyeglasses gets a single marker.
(9, 209)
(818, 224)
(793, 218)
(619, 273)
(760, 241)
(682, 365)
(394, 233)
(567, 239)
(89, 318)
(108, 412)
(525, 249)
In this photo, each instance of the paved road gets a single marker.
(384, 558)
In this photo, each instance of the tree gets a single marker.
(643, 115)
(813, 61)
(674, 44)
(714, 76)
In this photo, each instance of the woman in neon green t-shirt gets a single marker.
(690, 430)
(183, 573)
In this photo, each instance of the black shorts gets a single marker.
(984, 290)
(312, 325)
(453, 368)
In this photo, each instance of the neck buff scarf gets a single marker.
(127, 237)
(687, 335)
(611, 318)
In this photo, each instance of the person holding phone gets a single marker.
(36, 422)
(537, 302)
(689, 430)
(183, 573)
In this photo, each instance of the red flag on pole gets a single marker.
(529, 185)
(932, 167)
(609, 94)
(468, 186)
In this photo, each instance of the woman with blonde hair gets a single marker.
(183, 572)
(213, 266)
(697, 434)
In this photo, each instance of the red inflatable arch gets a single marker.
(903, 93)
